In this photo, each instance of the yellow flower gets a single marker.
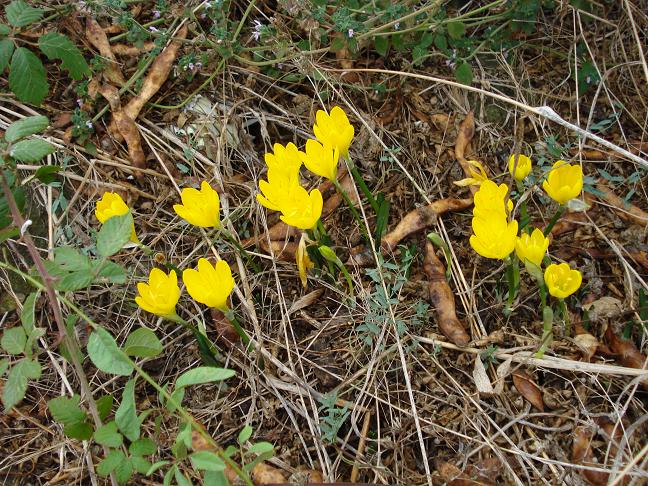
(321, 159)
(285, 159)
(477, 178)
(561, 280)
(304, 263)
(275, 190)
(494, 237)
(522, 168)
(160, 295)
(210, 285)
(334, 130)
(564, 182)
(199, 207)
(301, 209)
(111, 204)
(489, 200)
(532, 247)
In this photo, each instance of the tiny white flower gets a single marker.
(79, 101)
(152, 29)
(89, 124)
(588, 79)
(397, 26)
(350, 33)
(156, 14)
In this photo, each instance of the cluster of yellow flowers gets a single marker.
(496, 235)
(209, 284)
(282, 190)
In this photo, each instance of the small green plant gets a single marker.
(27, 75)
(332, 418)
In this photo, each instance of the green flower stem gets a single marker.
(321, 237)
(354, 211)
(186, 416)
(554, 220)
(363, 186)
(565, 315)
(229, 314)
(524, 216)
(547, 334)
(230, 237)
(513, 277)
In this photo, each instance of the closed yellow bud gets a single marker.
(532, 247)
(334, 130)
(111, 204)
(160, 294)
(200, 207)
(564, 182)
(520, 170)
(561, 280)
(210, 285)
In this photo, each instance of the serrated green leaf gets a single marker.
(206, 461)
(110, 462)
(104, 406)
(59, 46)
(20, 14)
(142, 343)
(47, 173)
(203, 374)
(31, 150)
(13, 340)
(464, 73)
(28, 313)
(4, 30)
(143, 447)
(140, 464)
(66, 410)
(109, 272)
(114, 234)
(27, 77)
(126, 415)
(106, 355)
(26, 127)
(456, 29)
(215, 478)
(82, 431)
(6, 50)
(74, 281)
(72, 259)
(4, 365)
(16, 385)
(244, 434)
(107, 435)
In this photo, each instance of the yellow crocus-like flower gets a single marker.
(199, 207)
(210, 285)
(321, 159)
(301, 209)
(489, 200)
(561, 280)
(564, 182)
(334, 130)
(477, 177)
(304, 263)
(284, 159)
(111, 204)
(275, 190)
(160, 295)
(522, 169)
(532, 247)
(494, 237)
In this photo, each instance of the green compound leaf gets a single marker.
(114, 234)
(27, 77)
(14, 340)
(31, 150)
(106, 355)
(25, 127)
(16, 385)
(66, 410)
(20, 14)
(58, 46)
(108, 436)
(464, 74)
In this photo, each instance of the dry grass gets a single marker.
(415, 411)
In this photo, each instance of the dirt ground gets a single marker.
(364, 386)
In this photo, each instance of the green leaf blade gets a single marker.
(114, 234)
(6, 50)
(203, 374)
(26, 126)
(59, 46)
(106, 355)
(13, 340)
(126, 415)
(20, 14)
(27, 77)
(31, 150)
(16, 385)
(142, 343)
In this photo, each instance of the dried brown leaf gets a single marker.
(130, 133)
(225, 332)
(128, 51)
(305, 301)
(528, 389)
(98, 38)
(603, 308)
(464, 136)
(442, 298)
(627, 352)
(482, 381)
(263, 474)
(624, 209)
(587, 344)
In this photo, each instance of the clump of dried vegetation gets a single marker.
(418, 365)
